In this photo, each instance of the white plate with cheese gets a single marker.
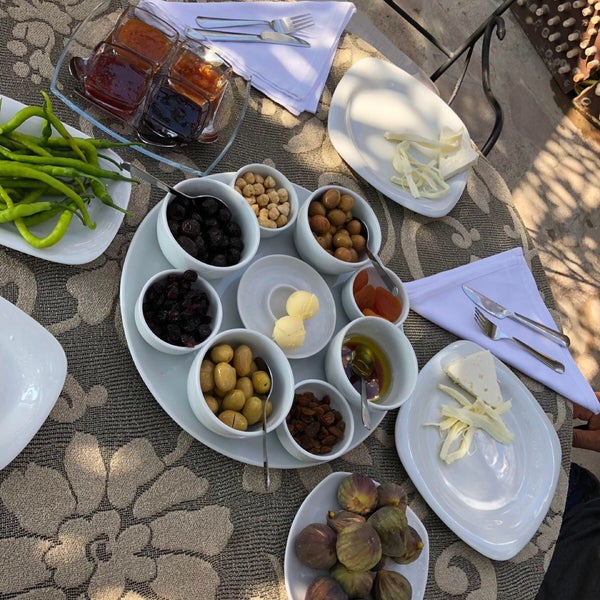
(496, 496)
(375, 97)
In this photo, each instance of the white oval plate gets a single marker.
(264, 288)
(373, 97)
(80, 244)
(313, 510)
(496, 497)
(166, 376)
(33, 367)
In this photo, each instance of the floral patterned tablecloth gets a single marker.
(111, 499)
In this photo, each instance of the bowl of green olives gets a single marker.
(227, 390)
(215, 232)
(332, 229)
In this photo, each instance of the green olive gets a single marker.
(221, 353)
(342, 240)
(245, 384)
(331, 198)
(234, 400)
(346, 202)
(336, 217)
(316, 208)
(354, 227)
(207, 381)
(261, 382)
(213, 404)
(253, 410)
(225, 377)
(235, 420)
(242, 360)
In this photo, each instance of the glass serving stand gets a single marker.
(199, 157)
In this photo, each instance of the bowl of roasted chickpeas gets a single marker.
(271, 196)
(332, 229)
(228, 384)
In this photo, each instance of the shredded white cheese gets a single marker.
(460, 423)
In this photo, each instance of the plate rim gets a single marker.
(57, 360)
(504, 551)
(100, 238)
(413, 520)
(344, 145)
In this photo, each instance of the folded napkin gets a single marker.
(505, 278)
(291, 76)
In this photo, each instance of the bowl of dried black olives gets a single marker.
(215, 233)
(178, 312)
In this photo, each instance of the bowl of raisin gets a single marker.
(178, 312)
(215, 233)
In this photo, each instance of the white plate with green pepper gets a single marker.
(79, 226)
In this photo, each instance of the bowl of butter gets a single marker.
(286, 299)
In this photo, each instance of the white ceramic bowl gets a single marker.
(282, 182)
(215, 311)
(310, 250)
(282, 382)
(241, 212)
(394, 344)
(264, 289)
(320, 389)
(349, 303)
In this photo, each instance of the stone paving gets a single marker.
(548, 154)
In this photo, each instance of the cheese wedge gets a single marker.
(476, 374)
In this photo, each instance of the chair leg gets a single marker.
(498, 24)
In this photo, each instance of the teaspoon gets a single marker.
(362, 365)
(262, 365)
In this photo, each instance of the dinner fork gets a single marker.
(283, 25)
(495, 333)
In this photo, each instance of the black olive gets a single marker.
(224, 215)
(209, 206)
(176, 210)
(190, 227)
(219, 260)
(234, 230)
(188, 245)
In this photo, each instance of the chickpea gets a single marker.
(240, 182)
(248, 190)
(283, 195)
(281, 221)
(284, 209)
(270, 182)
(249, 177)
(259, 189)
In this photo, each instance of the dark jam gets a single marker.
(116, 81)
(171, 114)
(379, 381)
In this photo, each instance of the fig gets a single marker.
(337, 520)
(315, 546)
(357, 493)
(356, 584)
(412, 549)
(391, 494)
(325, 588)
(390, 585)
(358, 547)
(390, 524)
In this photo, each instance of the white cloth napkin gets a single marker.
(505, 278)
(291, 76)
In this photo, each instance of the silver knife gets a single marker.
(268, 37)
(500, 312)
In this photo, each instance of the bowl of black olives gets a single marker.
(215, 233)
(178, 312)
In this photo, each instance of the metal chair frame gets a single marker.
(484, 32)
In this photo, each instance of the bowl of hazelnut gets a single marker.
(320, 424)
(330, 231)
(270, 194)
(215, 233)
(227, 390)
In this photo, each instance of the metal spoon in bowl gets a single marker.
(262, 366)
(362, 365)
(377, 263)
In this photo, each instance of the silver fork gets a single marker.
(492, 331)
(283, 25)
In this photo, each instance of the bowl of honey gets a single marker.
(394, 363)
